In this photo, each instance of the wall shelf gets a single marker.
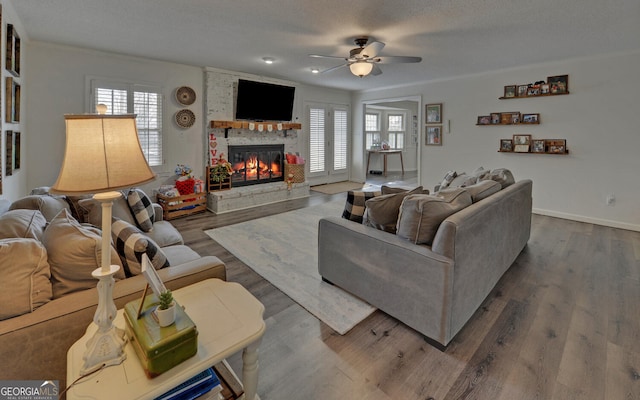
(226, 125)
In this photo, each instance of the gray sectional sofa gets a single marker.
(433, 287)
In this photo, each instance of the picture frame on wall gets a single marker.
(434, 135)
(521, 140)
(537, 146)
(509, 118)
(510, 91)
(12, 56)
(495, 118)
(558, 84)
(506, 145)
(484, 120)
(556, 146)
(12, 100)
(8, 163)
(16, 150)
(522, 90)
(530, 118)
(433, 113)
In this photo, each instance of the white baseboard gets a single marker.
(590, 220)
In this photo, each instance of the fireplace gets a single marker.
(254, 164)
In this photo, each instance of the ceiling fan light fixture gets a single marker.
(268, 60)
(361, 69)
(315, 70)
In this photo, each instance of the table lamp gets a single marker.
(102, 154)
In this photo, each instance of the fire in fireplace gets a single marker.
(254, 164)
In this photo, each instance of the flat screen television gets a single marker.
(260, 101)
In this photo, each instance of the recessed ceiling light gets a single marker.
(268, 60)
(315, 70)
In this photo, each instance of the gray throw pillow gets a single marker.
(483, 189)
(421, 215)
(501, 175)
(382, 211)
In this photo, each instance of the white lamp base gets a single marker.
(106, 347)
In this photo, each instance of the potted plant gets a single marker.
(220, 172)
(166, 310)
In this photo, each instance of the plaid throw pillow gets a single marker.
(354, 208)
(141, 208)
(131, 244)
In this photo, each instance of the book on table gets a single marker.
(205, 382)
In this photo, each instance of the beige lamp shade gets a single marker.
(361, 68)
(102, 154)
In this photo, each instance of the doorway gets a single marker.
(328, 132)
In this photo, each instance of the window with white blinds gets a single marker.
(372, 129)
(130, 98)
(317, 140)
(339, 140)
(396, 128)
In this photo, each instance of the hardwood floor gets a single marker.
(562, 323)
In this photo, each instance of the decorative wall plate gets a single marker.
(185, 95)
(185, 118)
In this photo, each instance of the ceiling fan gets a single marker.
(364, 60)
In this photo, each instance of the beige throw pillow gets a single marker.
(74, 252)
(483, 189)
(22, 223)
(421, 215)
(25, 283)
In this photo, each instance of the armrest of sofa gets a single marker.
(403, 279)
(158, 212)
(37, 343)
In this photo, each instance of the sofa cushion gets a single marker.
(93, 208)
(483, 189)
(25, 283)
(131, 244)
(74, 251)
(78, 212)
(49, 206)
(501, 175)
(22, 223)
(381, 212)
(355, 205)
(421, 215)
(142, 209)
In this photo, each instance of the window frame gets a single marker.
(131, 87)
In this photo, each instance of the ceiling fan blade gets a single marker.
(333, 68)
(331, 57)
(372, 49)
(397, 60)
(376, 70)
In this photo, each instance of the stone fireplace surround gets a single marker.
(238, 198)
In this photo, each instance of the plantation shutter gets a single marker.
(316, 139)
(340, 140)
(145, 102)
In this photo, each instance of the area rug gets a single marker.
(283, 249)
(339, 187)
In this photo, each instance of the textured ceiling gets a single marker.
(454, 37)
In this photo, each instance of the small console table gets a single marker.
(229, 319)
(385, 153)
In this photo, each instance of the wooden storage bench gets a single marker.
(180, 206)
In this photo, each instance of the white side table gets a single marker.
(229, 319)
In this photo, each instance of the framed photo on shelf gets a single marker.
(537, 146)
(495, 118)
(434, 136)
(530, 118)
(522, 90)
(433, 113)
(544, 88)
(510, 91)
(506, 145)
(556, 146)
(521, 139)
(509, 118)
(521, 148)
(484, 120)
(558, 84)
(533, 91)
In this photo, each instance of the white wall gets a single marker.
(598, 120)
(13, 186)
(57, 86)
